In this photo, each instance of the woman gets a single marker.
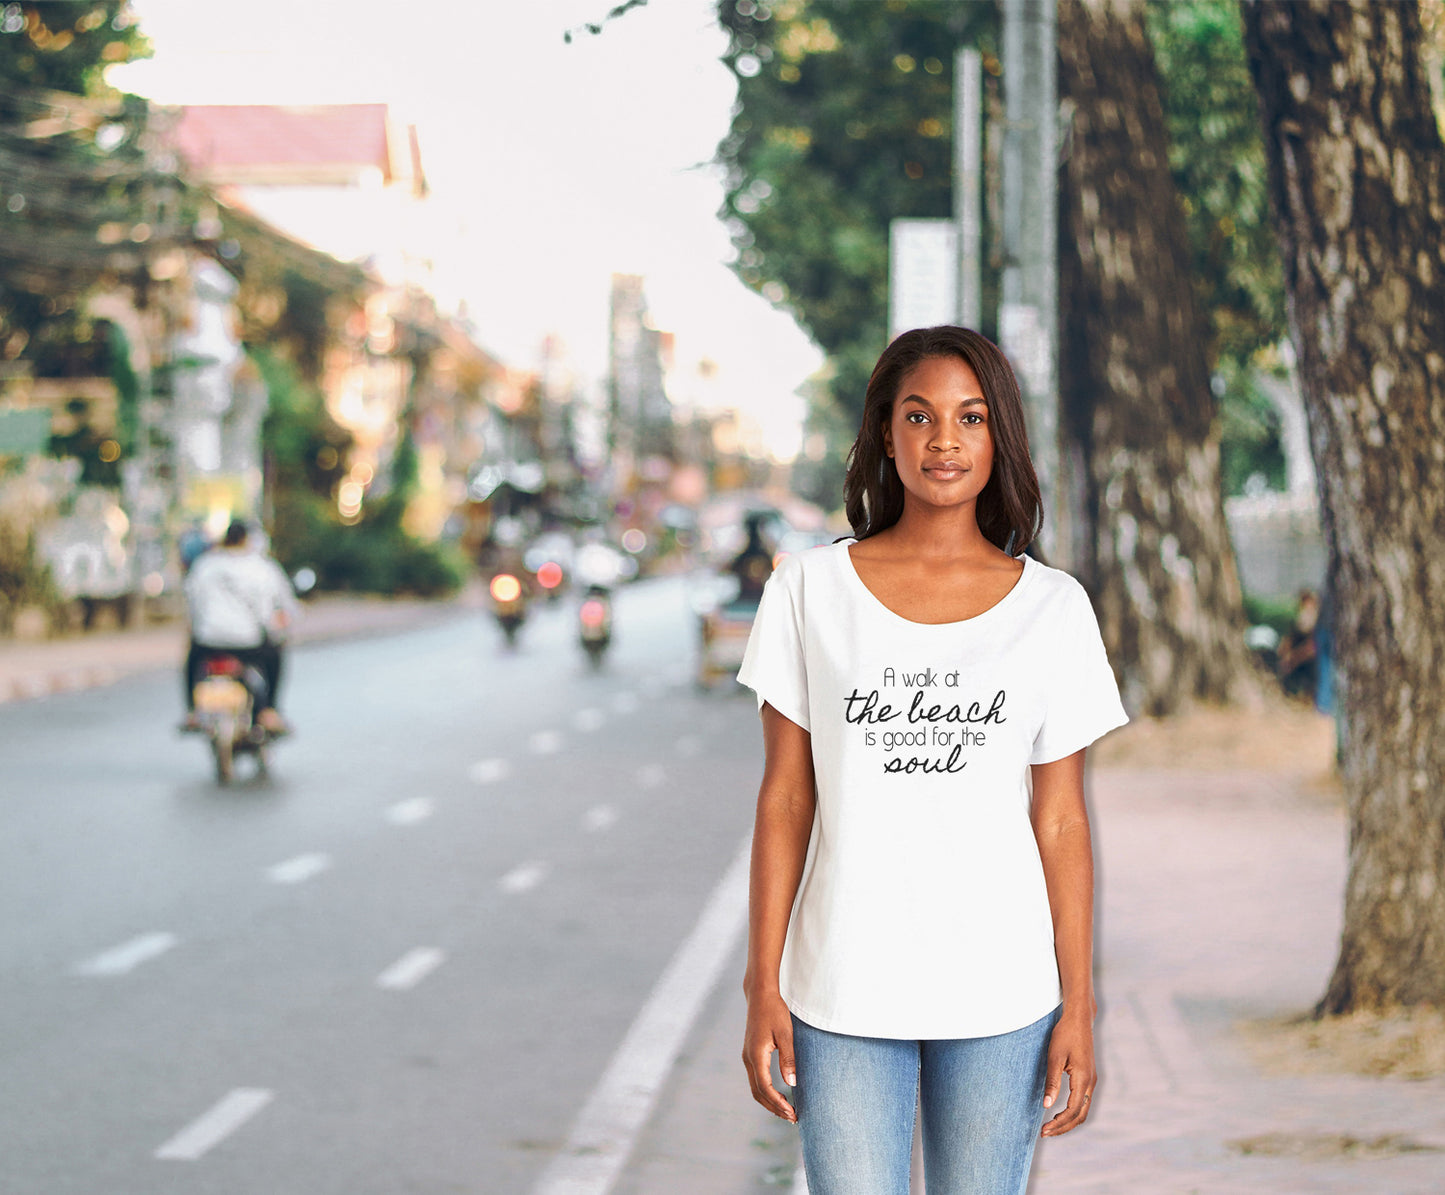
(920, 930)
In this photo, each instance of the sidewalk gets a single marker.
(87, 661)
(1221, 846)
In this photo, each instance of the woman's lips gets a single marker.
(945, 472)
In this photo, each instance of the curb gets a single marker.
(55, 682)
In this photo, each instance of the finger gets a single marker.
(760, 1075)
(1075, 1111)
(786, 1064)
(1055, 1078)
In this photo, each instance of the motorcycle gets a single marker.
(725, 622)
(594, 623)
(226, 698)
(509, 605)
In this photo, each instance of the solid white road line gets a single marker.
(410, 969)
(298, 870)
(486, 771)
(599, 817)
(408, 813)
(652, 775)
(588, 719)
(619, 1106)
(122, 959)
(213, 1127)
(546, 742)
(523, 878)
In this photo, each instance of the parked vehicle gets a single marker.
(725, 621)
(594, 623)
(509, 604)
(226, 700)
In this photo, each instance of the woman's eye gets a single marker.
(911, 414)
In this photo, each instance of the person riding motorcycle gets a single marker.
(754, 564)
(241, 604)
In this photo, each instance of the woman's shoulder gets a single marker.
(808, 562)
(1056, 589)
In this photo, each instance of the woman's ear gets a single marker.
(888, 440)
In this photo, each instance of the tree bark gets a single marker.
(1134, 381)
(1356, 172)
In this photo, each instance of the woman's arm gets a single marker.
(1061, 826)
(780, 843)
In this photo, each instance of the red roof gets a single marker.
(247, 139)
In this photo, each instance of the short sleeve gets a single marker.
(1082, 700)
(774, 664)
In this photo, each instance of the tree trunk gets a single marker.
(1133, 378)
(1356, 171)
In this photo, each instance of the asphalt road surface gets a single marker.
(401, 963)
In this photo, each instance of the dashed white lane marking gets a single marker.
(652, 775)
(588, 719)
(487, 771)
(688, 744)
(599, 817)
(523, 878)
(621, 1102)
(410, 969)
(299, 869)
(122, 959)
(545, 742)
(409, 812)
(214, 1126)
(624, 702)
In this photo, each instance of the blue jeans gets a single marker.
(981, 1099)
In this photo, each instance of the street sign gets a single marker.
(24, 432)
(922, 274)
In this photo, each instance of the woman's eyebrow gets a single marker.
(967, 402)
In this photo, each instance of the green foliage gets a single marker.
(70, 163)
(127, 389)
(306, 451)
(63, 46)
(373, 556)
(843, 123)
(1250, 437)
(25, 578)
(1217, 157)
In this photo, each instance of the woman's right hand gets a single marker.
(770, 1028)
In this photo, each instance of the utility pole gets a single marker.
(967, 181)
(1028, 312)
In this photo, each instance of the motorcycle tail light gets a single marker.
(549, 576)
(593, 613)
(506, 588)
(223, 666)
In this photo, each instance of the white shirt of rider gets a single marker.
(235, 596)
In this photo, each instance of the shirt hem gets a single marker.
(846, 1027)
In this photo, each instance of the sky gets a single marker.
(552, 166)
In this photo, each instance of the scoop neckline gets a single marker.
(1030, 565)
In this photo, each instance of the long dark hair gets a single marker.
(1010, 511)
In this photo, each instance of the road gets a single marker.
(401, 963)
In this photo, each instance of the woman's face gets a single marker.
(939, 433)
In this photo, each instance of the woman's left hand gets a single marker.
(1071, 1050)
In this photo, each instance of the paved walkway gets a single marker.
(1219, 907)
(85, 661)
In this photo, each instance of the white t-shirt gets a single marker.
(922, 910)
(235, 595)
